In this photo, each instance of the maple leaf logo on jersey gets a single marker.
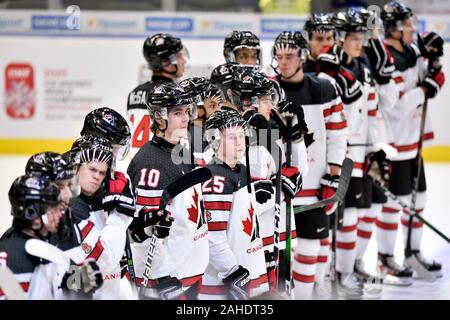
(248, 224)
(195, 214)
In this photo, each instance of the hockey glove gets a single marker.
(328, 187)
(237, 283)
(289, 109)
(329, 60)
(123, 266)
(433, 82)
(348, 87)
(84, 278)
(291, 181)
(381, 61)
(263, 190)
(169, 288)
(120, 195)
(431, 45)
(148, 217)
(255, 119)
(162, 229)
(379, 166)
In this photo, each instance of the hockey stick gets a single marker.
(344, 181)
(288, 274)
(277, 216)
(45, 250)
(8, 284)
(405, 207)
(171, 191)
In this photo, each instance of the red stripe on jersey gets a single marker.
(308, 193)
(303, 278)
(258, 281)
(97, 251)
(368, 220)
(336, 125)
(217, 226)
(408, 147)
(372, 113)
(364, 234)
(322, 259)
(358, 165)
(336, 108)
(428, 136)
(218, 205)
(387, 226)
(85, 231)
(148, 201)
(398, 79)
(213, 290)
(415, 225)
(400, 94)
(389, 210)
(346, 245)
(283, 235)
(25, 286)
(348, 228)
(270, 239)
(305, 259)
(189, 281)
(371, 96)
(325, 242)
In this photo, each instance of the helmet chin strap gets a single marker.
(171, 73)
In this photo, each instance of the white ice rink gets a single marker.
(438, 182)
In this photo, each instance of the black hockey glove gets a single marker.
(120, 195)
(169, 288)
(255, 119)
(349, 88)
(83, 278)
(147, 217)
(289, 109)
(123, 266)
(263, 190)
(431, 45)
(145, 225)
(237, 283)
(381, 61)
(433, 82)
(379, 166)
(162, 229)
(291, 181)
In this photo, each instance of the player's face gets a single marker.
(232, 143)
(408, 31)
(177, 123)
(265, 106)
(247, 56)
(91, 176)
(179, 67)
(320, 40)
(66, 192)
(53, 216)
(211, 105)
(288, 61)
(353, 44)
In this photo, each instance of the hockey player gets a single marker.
(236, 267)
(103, 211)
(417, 79)
(166, 57)
(243, 47)
(35, 207)
(326, 145)
(181, 258)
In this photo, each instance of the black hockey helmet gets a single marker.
(163, 96)
(222, 75)
(393, 14)
(30, 196)
(51, 165)
(90, 148)
(248, 86)
(160, 49)
(213, 91)
(196, 86)
(223, 119)
(350, 21)
(289, 40)
(318, 22)
(241, 39)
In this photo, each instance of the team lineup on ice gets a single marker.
(244, 185)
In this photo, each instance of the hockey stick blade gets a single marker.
(422, 272)
(185, 182)
(344, 181)
(44, 250)
(8, 283)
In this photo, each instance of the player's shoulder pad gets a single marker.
(18, 260)
(80, 209)
(322, 90)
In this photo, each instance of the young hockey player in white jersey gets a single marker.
(166, 57)
(418, 79)
(237, 268)
(326, 145)
(181, 258)
(35, 207)
(103, 211)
